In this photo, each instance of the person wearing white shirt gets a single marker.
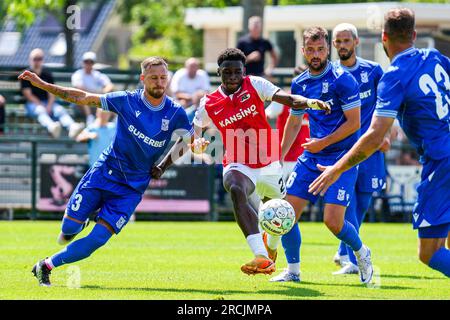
(190, 84)
(91, 80)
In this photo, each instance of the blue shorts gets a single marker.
(435, 232)
(371, 174)
(116, 201)
(305, 172)
(433, 201)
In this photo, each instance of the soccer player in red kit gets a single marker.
(252, 169)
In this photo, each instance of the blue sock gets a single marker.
(70, 227)
(351, 216)
(440, 261)
(350, 236)
(342, 249)
(291, 242)
(82, 248)
(363, 200)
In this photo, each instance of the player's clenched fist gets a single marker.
(199, 145)
(29, 76)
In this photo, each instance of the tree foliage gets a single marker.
(161, 26)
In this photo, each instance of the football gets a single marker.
(276, 217)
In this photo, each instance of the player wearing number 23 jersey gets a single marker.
(416, 90)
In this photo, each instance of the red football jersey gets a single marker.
(241, 119)
(296, 149)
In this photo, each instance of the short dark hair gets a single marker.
(231, 54)
(315, 33)
(399, 24)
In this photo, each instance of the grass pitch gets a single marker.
(201, 260)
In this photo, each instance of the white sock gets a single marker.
(294, 268)
(49, 263)
(361, 252)
(273, 241)
(256, 244)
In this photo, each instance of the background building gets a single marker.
(284, 26)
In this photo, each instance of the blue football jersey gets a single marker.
(367, 73)
(143, 133)
(340, 89)
(416, 90)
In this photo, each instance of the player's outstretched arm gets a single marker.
(197, 145)
(364, 148)
(76, 96)
(296, 101)
(291, 130)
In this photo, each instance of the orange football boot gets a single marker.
(260, 264)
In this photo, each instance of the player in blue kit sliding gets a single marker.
(331, 136)
(416, 90)
(147, 118)
(371, 173)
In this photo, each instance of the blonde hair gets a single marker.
(345, 27)
(153, 61)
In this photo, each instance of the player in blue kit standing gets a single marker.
(416, 90)
(147, 118)
(331, 136)
(371, 173)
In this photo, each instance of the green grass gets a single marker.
(201, 260)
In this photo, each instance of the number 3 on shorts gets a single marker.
(76, 205)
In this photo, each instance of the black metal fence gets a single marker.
(21, 179)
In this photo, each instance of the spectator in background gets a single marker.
(255, 47)
(41, 104)
(2, 114)
(91, 80)
(98, 135)
(189, 85)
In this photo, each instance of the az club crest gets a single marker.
(364, 77)
(165, 125)
(245, 97)
(304, 87)
(324, 87)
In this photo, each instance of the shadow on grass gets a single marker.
(295, 292)
(400, 276)
(362, 286)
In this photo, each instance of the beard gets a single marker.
(345, 54)
(320, 67)
(156, 93)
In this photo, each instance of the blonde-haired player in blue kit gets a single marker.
(147, 118)
(371, 173)
(416, 90)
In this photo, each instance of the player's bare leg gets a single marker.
(292, 273)
(240, 188)
(428, 247)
